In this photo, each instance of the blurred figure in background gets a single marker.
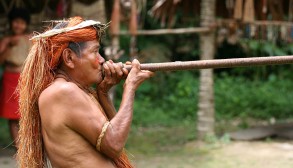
(14, 49)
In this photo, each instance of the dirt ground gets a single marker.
(231, 155)
(6, 158)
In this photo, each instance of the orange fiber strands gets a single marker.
(38, 73)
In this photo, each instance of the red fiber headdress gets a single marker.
(38, 73)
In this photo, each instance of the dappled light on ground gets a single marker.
(235, 154)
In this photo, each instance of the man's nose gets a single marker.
(101, 59)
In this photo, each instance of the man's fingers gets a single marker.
(107, 70)
(118, 70)
(135, 64)
(148, 74)
(111, 67)
(128, 63)
(120, 64)
(125, 72)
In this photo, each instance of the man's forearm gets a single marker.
(120, 124)
(123, 118)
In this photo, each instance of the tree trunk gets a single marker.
(206, 107)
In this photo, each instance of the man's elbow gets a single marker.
(114, 151)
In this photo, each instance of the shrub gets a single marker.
(171, 98)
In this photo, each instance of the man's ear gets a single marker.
(68, 57)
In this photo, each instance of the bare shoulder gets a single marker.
(65, 104)
(60, 91)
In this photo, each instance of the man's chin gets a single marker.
(99, 79)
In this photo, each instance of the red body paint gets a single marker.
(97, 62)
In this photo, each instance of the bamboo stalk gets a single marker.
(216, 63)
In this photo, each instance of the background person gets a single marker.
(14, 49)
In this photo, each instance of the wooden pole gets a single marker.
(258, 22)
(167, 31)
(200, 30)
(216, 63)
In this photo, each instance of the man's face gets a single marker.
(89, 65)
(18, 26)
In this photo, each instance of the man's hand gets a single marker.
(114, 73)
(115, 138)
(137, 76)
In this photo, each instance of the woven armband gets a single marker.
(99, 141)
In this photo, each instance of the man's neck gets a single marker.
(70, 77)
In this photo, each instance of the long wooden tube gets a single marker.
(216, 63)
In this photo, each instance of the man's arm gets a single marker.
(120, 124)
(114, 73)
(88, 121)
(71, 104)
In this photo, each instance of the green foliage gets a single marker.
(289, 48)
(4, 133)
(166, 99)
(171, 98)
(258, 48)
(238, 97)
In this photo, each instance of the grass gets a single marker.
(157, 140)
(5, 139)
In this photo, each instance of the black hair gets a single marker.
(21, 13)
(76, 47)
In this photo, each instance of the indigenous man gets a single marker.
(62, 119)
(14, 49)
